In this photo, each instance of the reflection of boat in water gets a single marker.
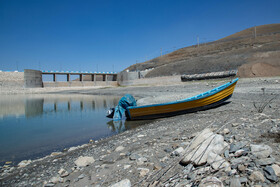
(206, 100)
(116, 126)
(123, 125)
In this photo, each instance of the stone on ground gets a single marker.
(257, 176)
(178, 152)
(84, 161)
(261, 151)
(63, 173)
(119, 148)
(270, 174)
(236, 146)
(235, 182)
(265, 161)
(211, 182)
(54, 180)
(24, 163)
(217, 162)
(226, 131)
(143, 171)
(204, 143)
(276, 169)
(122, 183)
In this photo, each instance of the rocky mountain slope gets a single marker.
(254, 55)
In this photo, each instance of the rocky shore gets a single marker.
(236, 144)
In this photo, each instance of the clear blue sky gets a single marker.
(113, 34)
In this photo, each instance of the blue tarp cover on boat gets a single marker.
(125, 101)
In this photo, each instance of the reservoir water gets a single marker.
(33, 126)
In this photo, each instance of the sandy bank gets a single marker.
(143, 154)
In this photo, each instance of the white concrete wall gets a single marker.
(124, 78)
(11, 79)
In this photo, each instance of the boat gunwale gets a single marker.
(196, 97)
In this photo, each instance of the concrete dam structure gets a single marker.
(34, 79)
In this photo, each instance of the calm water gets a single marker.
(34, 126)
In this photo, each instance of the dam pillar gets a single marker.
(32, 78)
(68, 77)
(114, 78)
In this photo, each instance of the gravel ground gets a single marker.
(144, 155)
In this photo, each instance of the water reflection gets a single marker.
(122, 125)
(33, 126)
(32, 106)
(116, 126)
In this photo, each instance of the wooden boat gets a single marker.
(206, 100)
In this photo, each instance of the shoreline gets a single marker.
(150, 141)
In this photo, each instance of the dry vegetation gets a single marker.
(252, 56)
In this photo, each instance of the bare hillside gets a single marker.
(260, 30)
(251, 55)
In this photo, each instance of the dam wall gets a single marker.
(33, 78)
(79, 84)
(128, 78)
(12, 79)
